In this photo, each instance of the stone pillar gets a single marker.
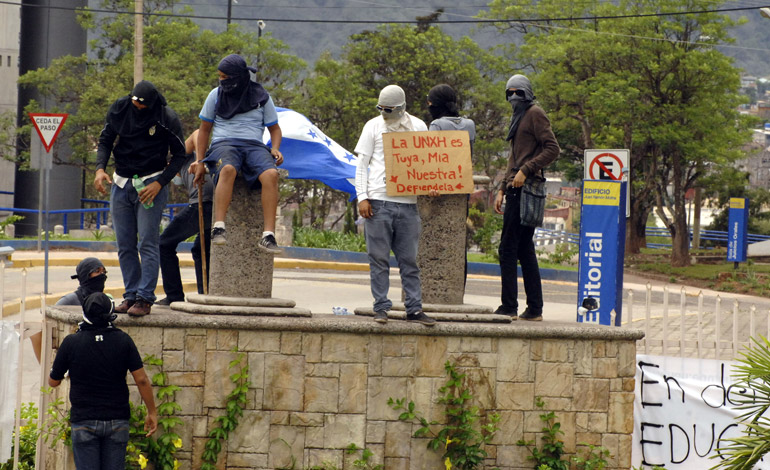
(239, 268)
(441, 254)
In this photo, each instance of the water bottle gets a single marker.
(341, 311)
(139, 186)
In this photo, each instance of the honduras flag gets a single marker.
(309, 154)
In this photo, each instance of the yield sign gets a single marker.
(48, 127)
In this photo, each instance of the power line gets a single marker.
(523, 22)
(328, 21)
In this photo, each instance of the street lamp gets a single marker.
(765, 11)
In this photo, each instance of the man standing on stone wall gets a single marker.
(146, 130)
(533, 147)
(392, 223)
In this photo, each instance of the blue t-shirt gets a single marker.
(249, 125)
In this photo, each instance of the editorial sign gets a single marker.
(420, 162)
(738, 229)
(602, 247)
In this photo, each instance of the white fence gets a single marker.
(689, 324)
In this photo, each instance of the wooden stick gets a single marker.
(202, 238)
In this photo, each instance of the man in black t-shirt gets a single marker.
(97, 357)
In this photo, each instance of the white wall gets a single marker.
(9, 74)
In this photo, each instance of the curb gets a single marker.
(292, 257)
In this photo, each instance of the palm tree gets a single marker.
(752, 372)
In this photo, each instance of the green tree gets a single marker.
(340, 95)
(179, 58)
(652, 84)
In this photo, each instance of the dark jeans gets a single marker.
(183, 226)
(100, 445)
(133, 222)
(516, 245)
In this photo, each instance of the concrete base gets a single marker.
(239, 268)
(215, 305)
(445, 313)
(441, 254)
(320, 384)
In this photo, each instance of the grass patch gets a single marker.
(484, 258)
(717, 274)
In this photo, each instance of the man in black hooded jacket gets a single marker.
(146, 131)
(97, 358)
(91, 275)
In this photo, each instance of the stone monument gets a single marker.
(241, 275)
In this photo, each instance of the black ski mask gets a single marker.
(98, 310)
(89, 284)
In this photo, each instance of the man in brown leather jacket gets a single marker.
(533, 147)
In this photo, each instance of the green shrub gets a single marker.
(27, 440)
(315, 238)
(486, 231)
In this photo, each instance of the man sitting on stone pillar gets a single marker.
(234, 116)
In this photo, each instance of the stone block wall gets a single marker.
(320, 384)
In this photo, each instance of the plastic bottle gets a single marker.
(139, 186)
(341, 311)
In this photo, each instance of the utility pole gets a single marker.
(260, 27)
(138, 41)
(229, 11)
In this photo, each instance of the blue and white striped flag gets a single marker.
(309, 154)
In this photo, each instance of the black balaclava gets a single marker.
(98, 310)
(520, 104)
(443, 101)
(89, 285)
(130, 121)
(238, 93)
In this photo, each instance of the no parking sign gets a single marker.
(608, 165)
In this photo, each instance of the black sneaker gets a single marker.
(508, 313)
(420, 317)
(381, 317)
(529, 315)
(167, 301)
(268, 245)
(218, 236)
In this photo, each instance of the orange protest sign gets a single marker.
(420, 162)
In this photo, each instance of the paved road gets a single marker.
(322, 289)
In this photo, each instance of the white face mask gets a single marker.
(177, 180)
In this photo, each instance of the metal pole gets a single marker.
(229, 11)
(47, 183)
(40, 184)
(138, 41)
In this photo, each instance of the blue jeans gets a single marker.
(184, 225)
(132, 221)
(100, 445)
(394, 226)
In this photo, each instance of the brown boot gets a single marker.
(140, 308)
(124, 306)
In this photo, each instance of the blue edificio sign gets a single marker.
(737, 229)
(602, 247)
